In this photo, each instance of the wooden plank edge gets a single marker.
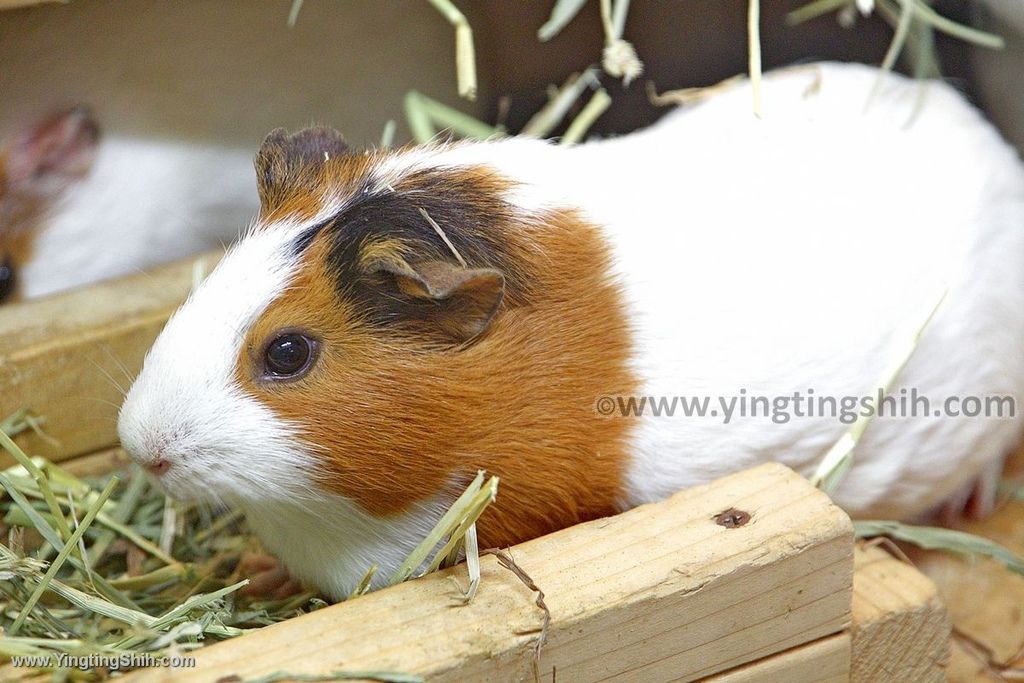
(900, 632)
(901, 628)
(17, 4)
(657, 592)
(823, 661)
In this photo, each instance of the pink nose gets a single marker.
(158, 466)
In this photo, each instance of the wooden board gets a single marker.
(900, 632)
(662, 592)
(69, 357)
(100, 462)
(983, 597)
(901, 629)
(11, 4)
(823, 661)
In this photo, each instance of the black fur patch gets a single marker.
(283, 160)
(472, 217)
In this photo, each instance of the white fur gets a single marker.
(770, 255)
(330, 542)
(798, 250)
(187, 405)
(226, 447)
(791, 252)
(144, 202)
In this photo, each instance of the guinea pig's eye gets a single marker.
(289, 356)
(6, 278)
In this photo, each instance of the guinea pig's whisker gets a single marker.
(109, 377)
(209, 508)
(103, 401)
(119, 363)
(204, 514)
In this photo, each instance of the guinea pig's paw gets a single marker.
(976, 500)
(268, 578)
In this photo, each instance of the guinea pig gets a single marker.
(76, 209)
(36, 169)
(396, 320)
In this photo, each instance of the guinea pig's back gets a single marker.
(760, 257)
(145, 201)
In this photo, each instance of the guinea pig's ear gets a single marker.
(286, 161)
(458, 300)
(52, 153)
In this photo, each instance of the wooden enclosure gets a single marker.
(663, 592)
(668, 591)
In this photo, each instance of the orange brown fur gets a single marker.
(397, 419)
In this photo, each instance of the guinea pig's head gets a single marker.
(37, 166)
(340, 345)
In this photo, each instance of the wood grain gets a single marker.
(660, 592)
(983, 597)
(100, 462)
(901, 629)
(69, 357)
(823, 661)
(900, 632)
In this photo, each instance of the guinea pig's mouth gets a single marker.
(172, 474)
(162, 474)
(185, 485)
(217, 478)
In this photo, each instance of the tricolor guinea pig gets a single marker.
(75, 208)
(395, 321)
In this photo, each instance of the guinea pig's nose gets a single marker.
(152, 458)
(6, 277)
(157, 466)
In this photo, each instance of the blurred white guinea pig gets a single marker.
(396, 320)
(75, 208)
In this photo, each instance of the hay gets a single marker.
(938, 538)
(592, 110)
(754, 52)
(465, 53)
(82, 570)
(914, 23)
(839, 458)
(562, 13)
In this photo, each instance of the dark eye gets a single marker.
(289, 356)
(6, 278)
